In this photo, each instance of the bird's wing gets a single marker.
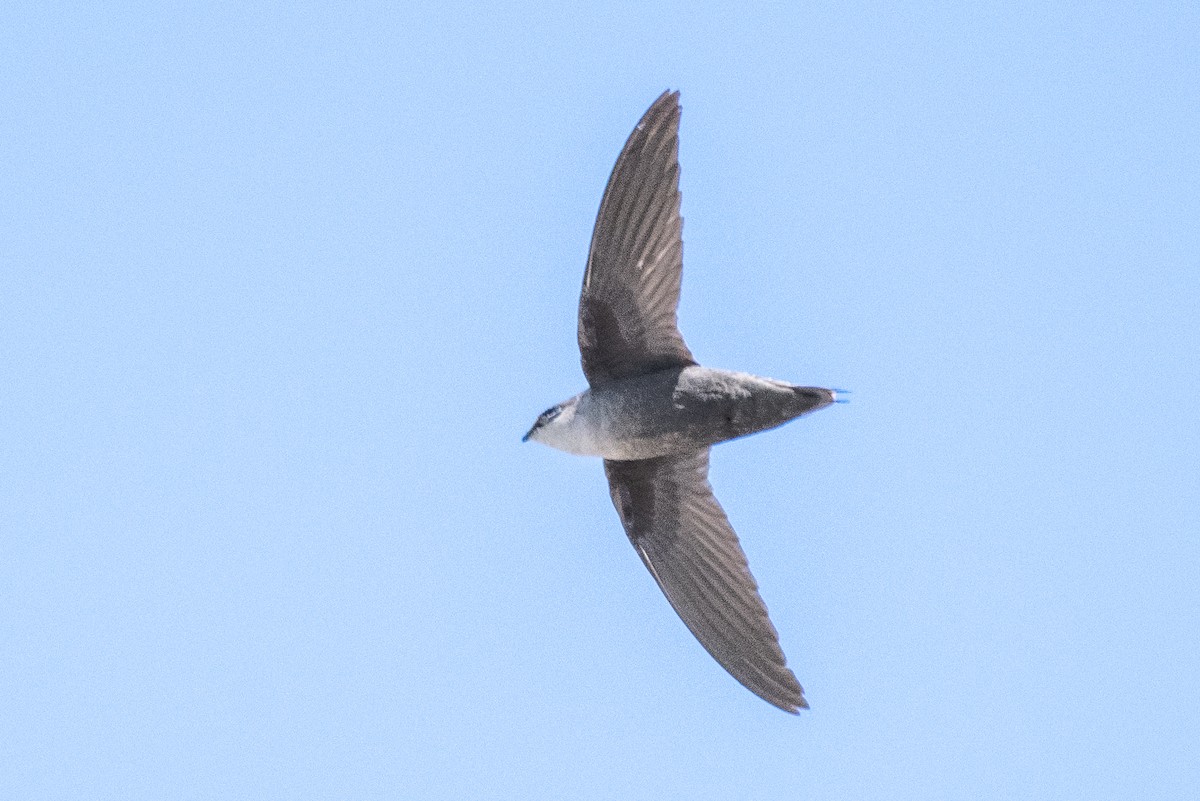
(627, 321)
(667, 507)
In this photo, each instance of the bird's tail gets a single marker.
(812, 398)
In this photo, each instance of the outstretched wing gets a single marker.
(669, 512)
(627, 322)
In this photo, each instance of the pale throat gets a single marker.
(575, 431)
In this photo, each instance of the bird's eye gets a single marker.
(551, 413)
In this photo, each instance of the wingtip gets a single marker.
(668, 96)
(791, 705)
(780, 691)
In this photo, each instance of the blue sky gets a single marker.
(282, 286)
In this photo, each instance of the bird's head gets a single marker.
(551, 421)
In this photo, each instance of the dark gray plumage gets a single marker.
(652, 413)
(635, 264)
(667, 507)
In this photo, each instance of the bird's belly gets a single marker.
(642, 419)
(634, 436)
(627, 449)
(594, 438)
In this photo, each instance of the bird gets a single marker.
(652, 413)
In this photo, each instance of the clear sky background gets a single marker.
(282, 286)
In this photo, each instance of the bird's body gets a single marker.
(652, 413)
(674, 411)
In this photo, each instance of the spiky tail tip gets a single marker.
(812, 398)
